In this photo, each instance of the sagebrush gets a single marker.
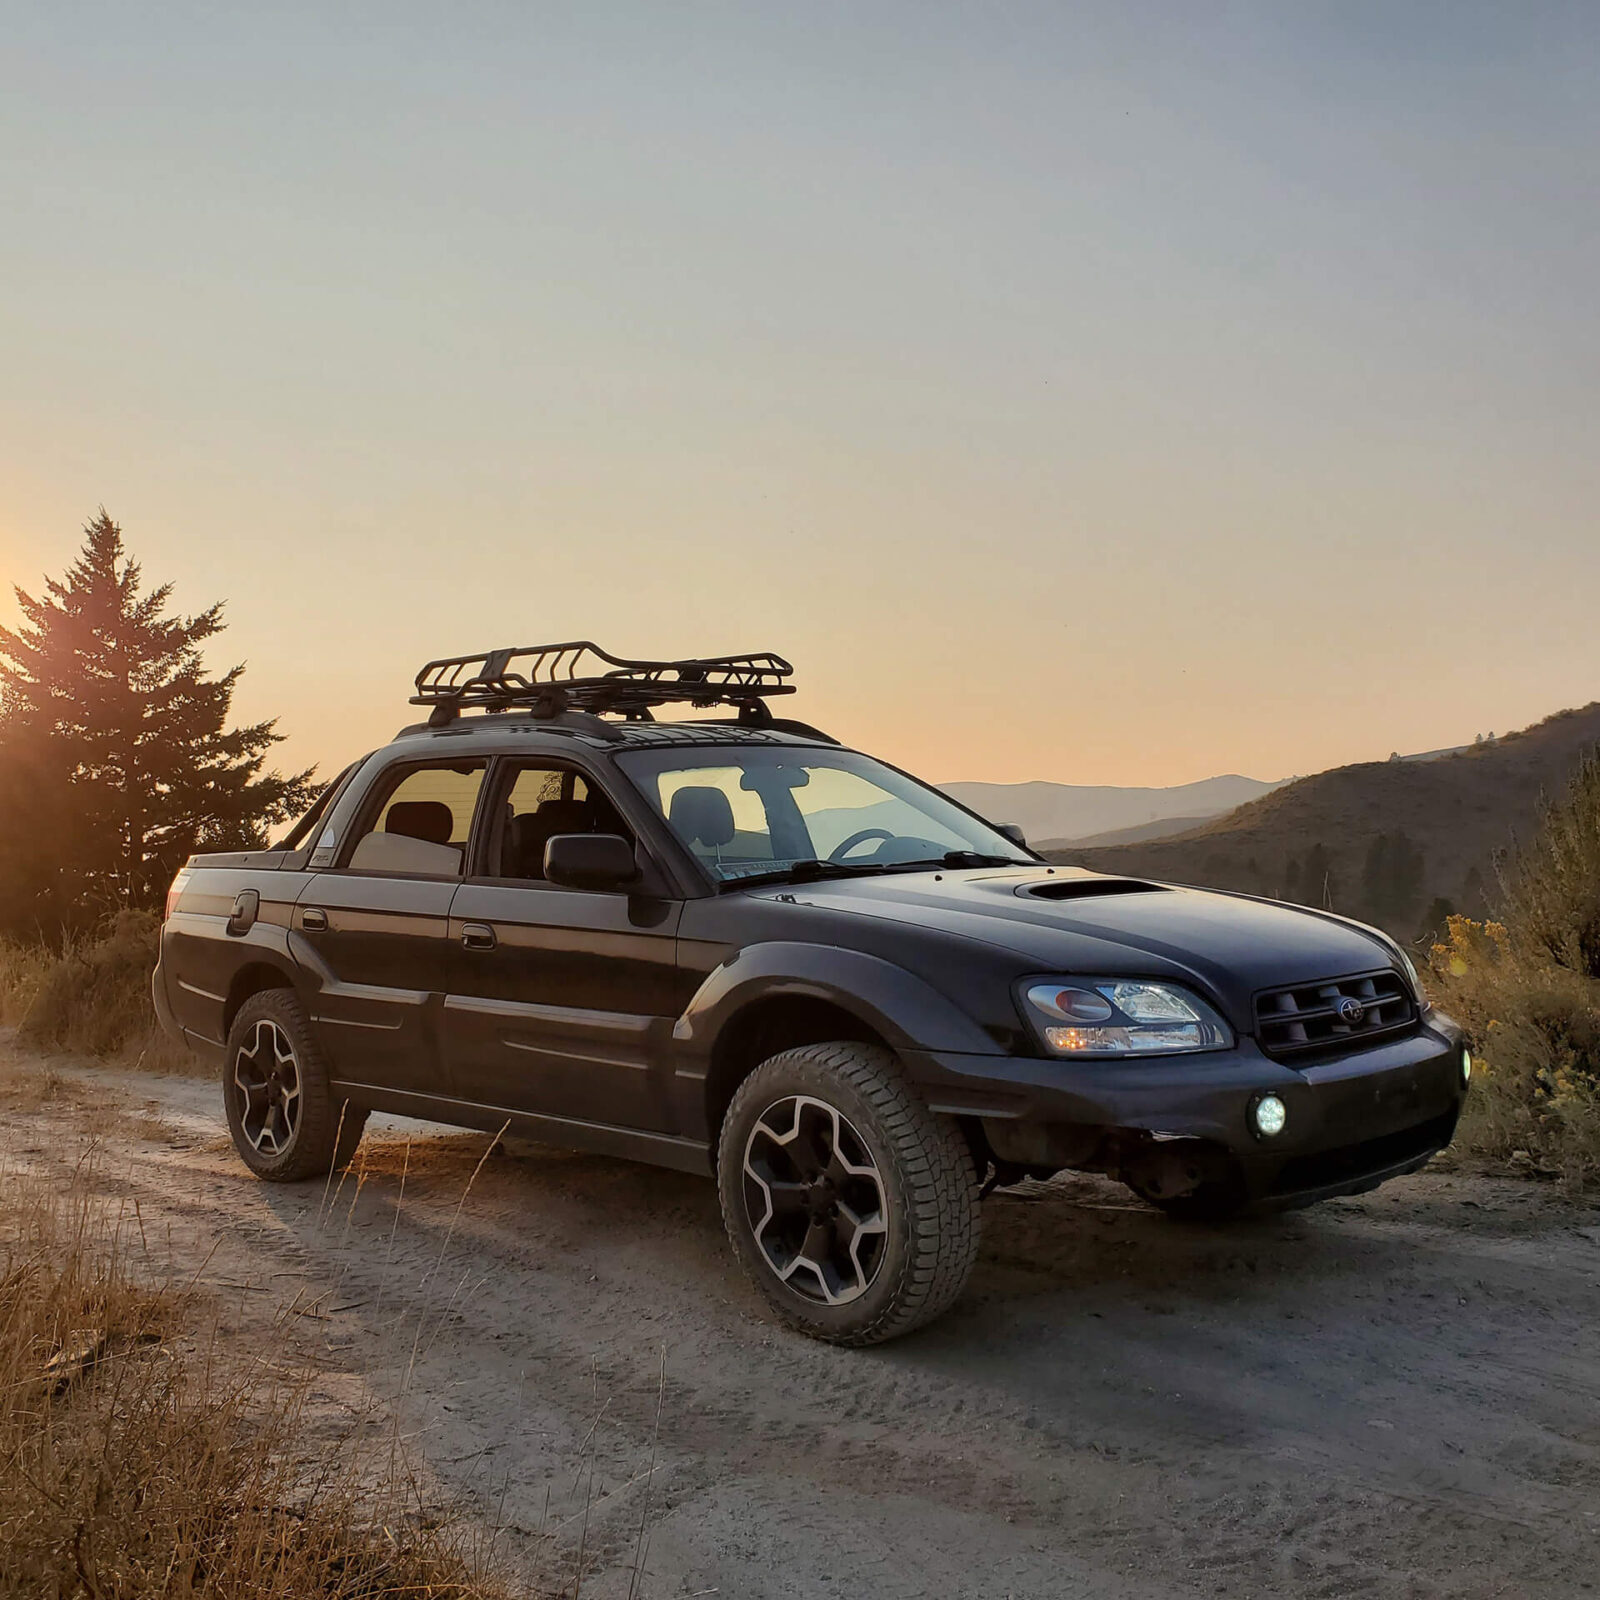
(1527, 988)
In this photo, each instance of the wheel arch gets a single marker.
(250, 980)
(771, 997)
(778, 1020)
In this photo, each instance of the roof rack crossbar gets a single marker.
(579, 676)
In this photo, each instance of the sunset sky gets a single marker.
(1111, 394)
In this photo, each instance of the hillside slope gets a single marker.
(1385, 840)
(1076, 811)
(1162, 828)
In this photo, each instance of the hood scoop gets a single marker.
(1087, 888)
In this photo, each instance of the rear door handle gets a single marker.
(314, 919)
(478, 936)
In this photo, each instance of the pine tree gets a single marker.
(1392, 880)
(116, 761)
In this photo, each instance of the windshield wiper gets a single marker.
(962, 858)
(810, 871)
(805, 872)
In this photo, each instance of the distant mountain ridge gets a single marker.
(1064, 811)
(1394, 842)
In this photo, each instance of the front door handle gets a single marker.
(478, 936)
(314, 919)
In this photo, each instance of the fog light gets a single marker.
(1466, 1066)
(1270, 1115)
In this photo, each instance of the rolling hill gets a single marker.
(1057, 811)
(1162, 828)
(1393, 842)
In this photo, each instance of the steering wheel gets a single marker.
(840, 851)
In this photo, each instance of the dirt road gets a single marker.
(1397, 1395)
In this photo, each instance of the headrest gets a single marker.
(552, 817)
(432, 820)
(702, 815)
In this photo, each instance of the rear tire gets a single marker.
(285, 1122)
(851, 1205)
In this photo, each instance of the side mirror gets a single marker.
(589, 861)
(1012, 831)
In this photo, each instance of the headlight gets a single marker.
(1122, 1017)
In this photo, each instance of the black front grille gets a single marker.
(1337, 1014)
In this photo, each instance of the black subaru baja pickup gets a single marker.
(732, 946)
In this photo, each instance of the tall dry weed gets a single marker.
(136, 1462)
(93, 996)
(22, 973)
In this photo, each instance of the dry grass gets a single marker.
(93, 997)
(22, 974)
(1527, 988)
(136, 1461)
(1535, 1033)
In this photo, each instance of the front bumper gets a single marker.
(1354, 1120)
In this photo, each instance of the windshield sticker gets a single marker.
(749, 869)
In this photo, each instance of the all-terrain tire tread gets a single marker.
(937, 1174)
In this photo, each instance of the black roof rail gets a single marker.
(577, 722)
(803, 730)
(549, 679)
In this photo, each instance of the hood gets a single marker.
(1075, 921)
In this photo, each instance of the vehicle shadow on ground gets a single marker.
(1079, 1243)
(1340, 1339)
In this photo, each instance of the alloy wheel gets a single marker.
(815, 1200)
(266, 1076)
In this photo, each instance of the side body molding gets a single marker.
(908, 1012)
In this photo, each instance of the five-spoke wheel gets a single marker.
(283, 1116)
(266, 1078)
(814, 1199)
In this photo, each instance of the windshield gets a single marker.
(773, 812)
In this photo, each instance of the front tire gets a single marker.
(852, 1206)
(285, 1122)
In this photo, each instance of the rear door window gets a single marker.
(421, 823)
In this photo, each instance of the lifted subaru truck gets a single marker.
(732, 946)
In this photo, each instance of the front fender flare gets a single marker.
(903, 1009)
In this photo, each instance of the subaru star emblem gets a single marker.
(1351, 1011)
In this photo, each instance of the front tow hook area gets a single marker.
(1159, 1170)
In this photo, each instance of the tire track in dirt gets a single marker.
(1392, 1396)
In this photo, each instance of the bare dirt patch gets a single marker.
(1396, 1395)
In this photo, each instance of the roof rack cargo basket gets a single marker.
(549, 679)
